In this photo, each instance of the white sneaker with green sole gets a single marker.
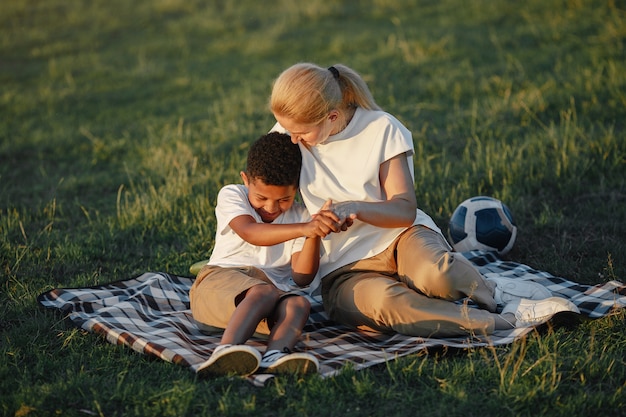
(530, 313)
(277, 362)
(231, 360)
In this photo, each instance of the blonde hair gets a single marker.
(306, 93)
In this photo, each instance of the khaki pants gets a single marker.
(410, 288)
(217, 291)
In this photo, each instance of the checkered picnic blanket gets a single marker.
(151, 315)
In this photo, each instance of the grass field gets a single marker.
(120, 121)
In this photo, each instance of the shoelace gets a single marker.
(509, 323)
(273, 355)
(529, 316)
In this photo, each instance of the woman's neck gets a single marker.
(345, 116)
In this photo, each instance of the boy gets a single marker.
(265, 246)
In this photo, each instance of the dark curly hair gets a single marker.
(275, 160)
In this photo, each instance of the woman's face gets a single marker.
(309, 134)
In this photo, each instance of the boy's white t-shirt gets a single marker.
(231, 250)
(346, 168)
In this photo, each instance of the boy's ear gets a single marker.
(244, 177)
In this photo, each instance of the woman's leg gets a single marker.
(370, 300)
(427, 264)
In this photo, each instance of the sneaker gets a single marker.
(529, 313)
(511, 289)
(277, 362)
(231, 359)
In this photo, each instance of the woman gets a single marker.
(389, 269)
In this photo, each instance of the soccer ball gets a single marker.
(482, 223)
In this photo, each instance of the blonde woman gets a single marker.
(389, 268)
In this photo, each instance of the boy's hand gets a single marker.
(323, 222)
(320, 226)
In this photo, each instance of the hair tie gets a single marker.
(334, 71)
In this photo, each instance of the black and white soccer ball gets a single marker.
(482, 223)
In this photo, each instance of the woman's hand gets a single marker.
(346, 212)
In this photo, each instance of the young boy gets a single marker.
(265, 246)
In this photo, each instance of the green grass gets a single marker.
(122, 119)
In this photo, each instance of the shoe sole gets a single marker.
(242, 362)
(294, 365)
(565, 319)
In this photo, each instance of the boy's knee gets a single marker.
(264, 293)
(299, 303)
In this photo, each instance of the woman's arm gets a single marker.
(399, 208)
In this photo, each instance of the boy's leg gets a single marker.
(257, 304)
(238, 300)
(290, 317)
(217, 292)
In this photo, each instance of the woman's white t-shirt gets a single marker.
(346, 168)
(231, 250)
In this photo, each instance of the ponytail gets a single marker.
(355, 92)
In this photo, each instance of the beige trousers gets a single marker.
(411, 288)
(217, 291)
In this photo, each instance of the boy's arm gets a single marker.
(304, 264)
(268, 234)
(264, 234)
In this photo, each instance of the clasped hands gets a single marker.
(331, 218)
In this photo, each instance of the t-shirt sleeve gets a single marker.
(397, 139)
(232, 202)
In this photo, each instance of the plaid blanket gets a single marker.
(151, 315)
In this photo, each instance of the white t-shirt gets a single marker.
(346, 168)
(231, 250)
